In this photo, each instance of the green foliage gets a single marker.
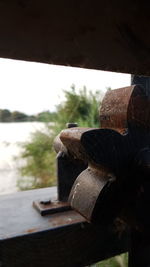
(117, 261)
(17, 116)
(5, 115)
(81, 107)
(40, 161)
(46, 116)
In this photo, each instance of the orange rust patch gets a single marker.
(65, 218)
(31, 230)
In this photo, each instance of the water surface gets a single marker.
(10, 135)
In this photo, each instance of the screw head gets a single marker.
(72, 124)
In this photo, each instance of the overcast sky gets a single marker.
(34, 87)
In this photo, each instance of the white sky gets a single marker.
(34, 87)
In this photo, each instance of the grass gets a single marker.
(117, 261)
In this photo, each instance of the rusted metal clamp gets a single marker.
(68, 168)
(118, 157)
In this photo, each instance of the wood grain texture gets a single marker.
(105, 35)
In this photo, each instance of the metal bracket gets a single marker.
(49, 207)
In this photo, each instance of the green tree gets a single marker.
(31, 118)
(5, 115)
(117, 261)
(18, 116)
(81, 107)
(40, 161)
(46, 116)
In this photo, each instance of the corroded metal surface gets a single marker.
(71, 139)
(125, 107)
(120, 152)
(69, 165)
(114, 109)
(58, 145)
(86, 189)
(139, 109)
(51, 207)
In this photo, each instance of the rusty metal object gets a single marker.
(114, 108)
(124, 106)
(86, 190)
(58, 145)
(68, 168)
(71, 124)
(117, 156)
(50, 207)
(114, 151)
(71, 139)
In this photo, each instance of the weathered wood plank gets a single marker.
(106, 35)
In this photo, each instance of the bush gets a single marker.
(81, 107)
(39, 168)
(117, 261)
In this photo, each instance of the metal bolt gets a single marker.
(71, 124)
(45, 202)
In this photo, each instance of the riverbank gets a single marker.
(11, 134)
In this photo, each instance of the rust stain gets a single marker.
(66, 218)
(31, 230)
(114, 109)
(71, 139)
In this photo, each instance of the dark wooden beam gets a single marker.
(105, 35)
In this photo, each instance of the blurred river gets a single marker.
(10, 135)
